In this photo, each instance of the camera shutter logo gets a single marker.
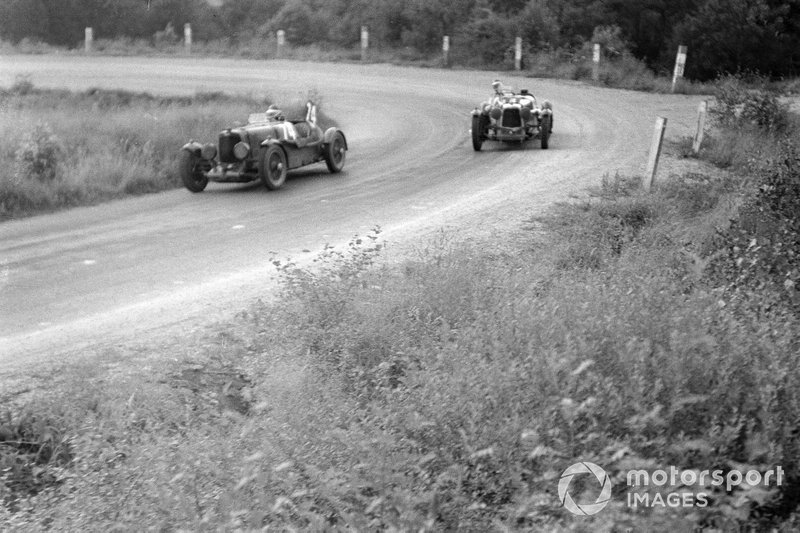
(587, 508)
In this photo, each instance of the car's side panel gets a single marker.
(299, 157)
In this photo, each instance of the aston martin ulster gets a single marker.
(511, 117)
(265, 149)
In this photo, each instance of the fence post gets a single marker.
(655, 153)
(87, 40)
(187, 37)
(446, 50)
(518, 53)
(596, 62)
(680, 63)
(281, 38)
(364, 42)
(701, 126)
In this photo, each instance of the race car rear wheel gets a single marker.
(190, 170)
(272, 167)
(334, 153)
(545, 132)
(478, 125)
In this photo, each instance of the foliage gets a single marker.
(722, 35)
(32, 453)
(39, 154)
(741, 101)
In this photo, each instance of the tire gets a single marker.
(191, 171)
(334, 153)
(552, 120)
(272, 167)
(477, 132)
(545, 132)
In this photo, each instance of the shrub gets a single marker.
(740, 102)
(39, 154)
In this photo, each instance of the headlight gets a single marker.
(208, 151)
(241, 150)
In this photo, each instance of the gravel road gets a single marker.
(125, 270)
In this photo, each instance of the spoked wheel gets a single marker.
(334, 153)
(478, 125)
(190, 168)
(545, 132)
(272, 167)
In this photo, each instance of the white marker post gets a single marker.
(87, 40)
(596, 62)
(187, 37)
(446, 50)
(518, 54)
(680, 63)
(281, 37)
(655, 153)
(364, 42)
(702, 109)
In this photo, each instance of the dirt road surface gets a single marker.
(169, 262)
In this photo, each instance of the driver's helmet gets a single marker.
(496, 85)
(273, 113)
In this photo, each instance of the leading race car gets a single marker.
(512, 118)
(266, 148)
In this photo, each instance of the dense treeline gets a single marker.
(722, 35)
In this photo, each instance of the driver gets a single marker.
(273, 113)
(497, 87)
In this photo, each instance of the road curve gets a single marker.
(118, 270)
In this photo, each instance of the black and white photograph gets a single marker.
(400, 266)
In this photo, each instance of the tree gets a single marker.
(740, 35)
(24, 18)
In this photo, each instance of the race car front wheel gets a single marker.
(334, 153)
(545, 132)
(191, 171)
(272, 167)
(478, 125)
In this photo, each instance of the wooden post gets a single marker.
(518, 54)
(655, 153)
(596, 62)
(701, 126)
(364, 42)
(88, 39)
(446, 50)
(680, 63)
(281, 38)
(187, 37)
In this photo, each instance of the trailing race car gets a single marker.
(511, 117)
(266, 148)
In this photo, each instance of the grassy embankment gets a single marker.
(62, 149)
(632, 330)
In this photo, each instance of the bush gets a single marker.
(39, 154)
(741, 102)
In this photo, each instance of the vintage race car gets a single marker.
(265, 148)
(513, 118)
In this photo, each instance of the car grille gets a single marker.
(511, 118)
(227, 141)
